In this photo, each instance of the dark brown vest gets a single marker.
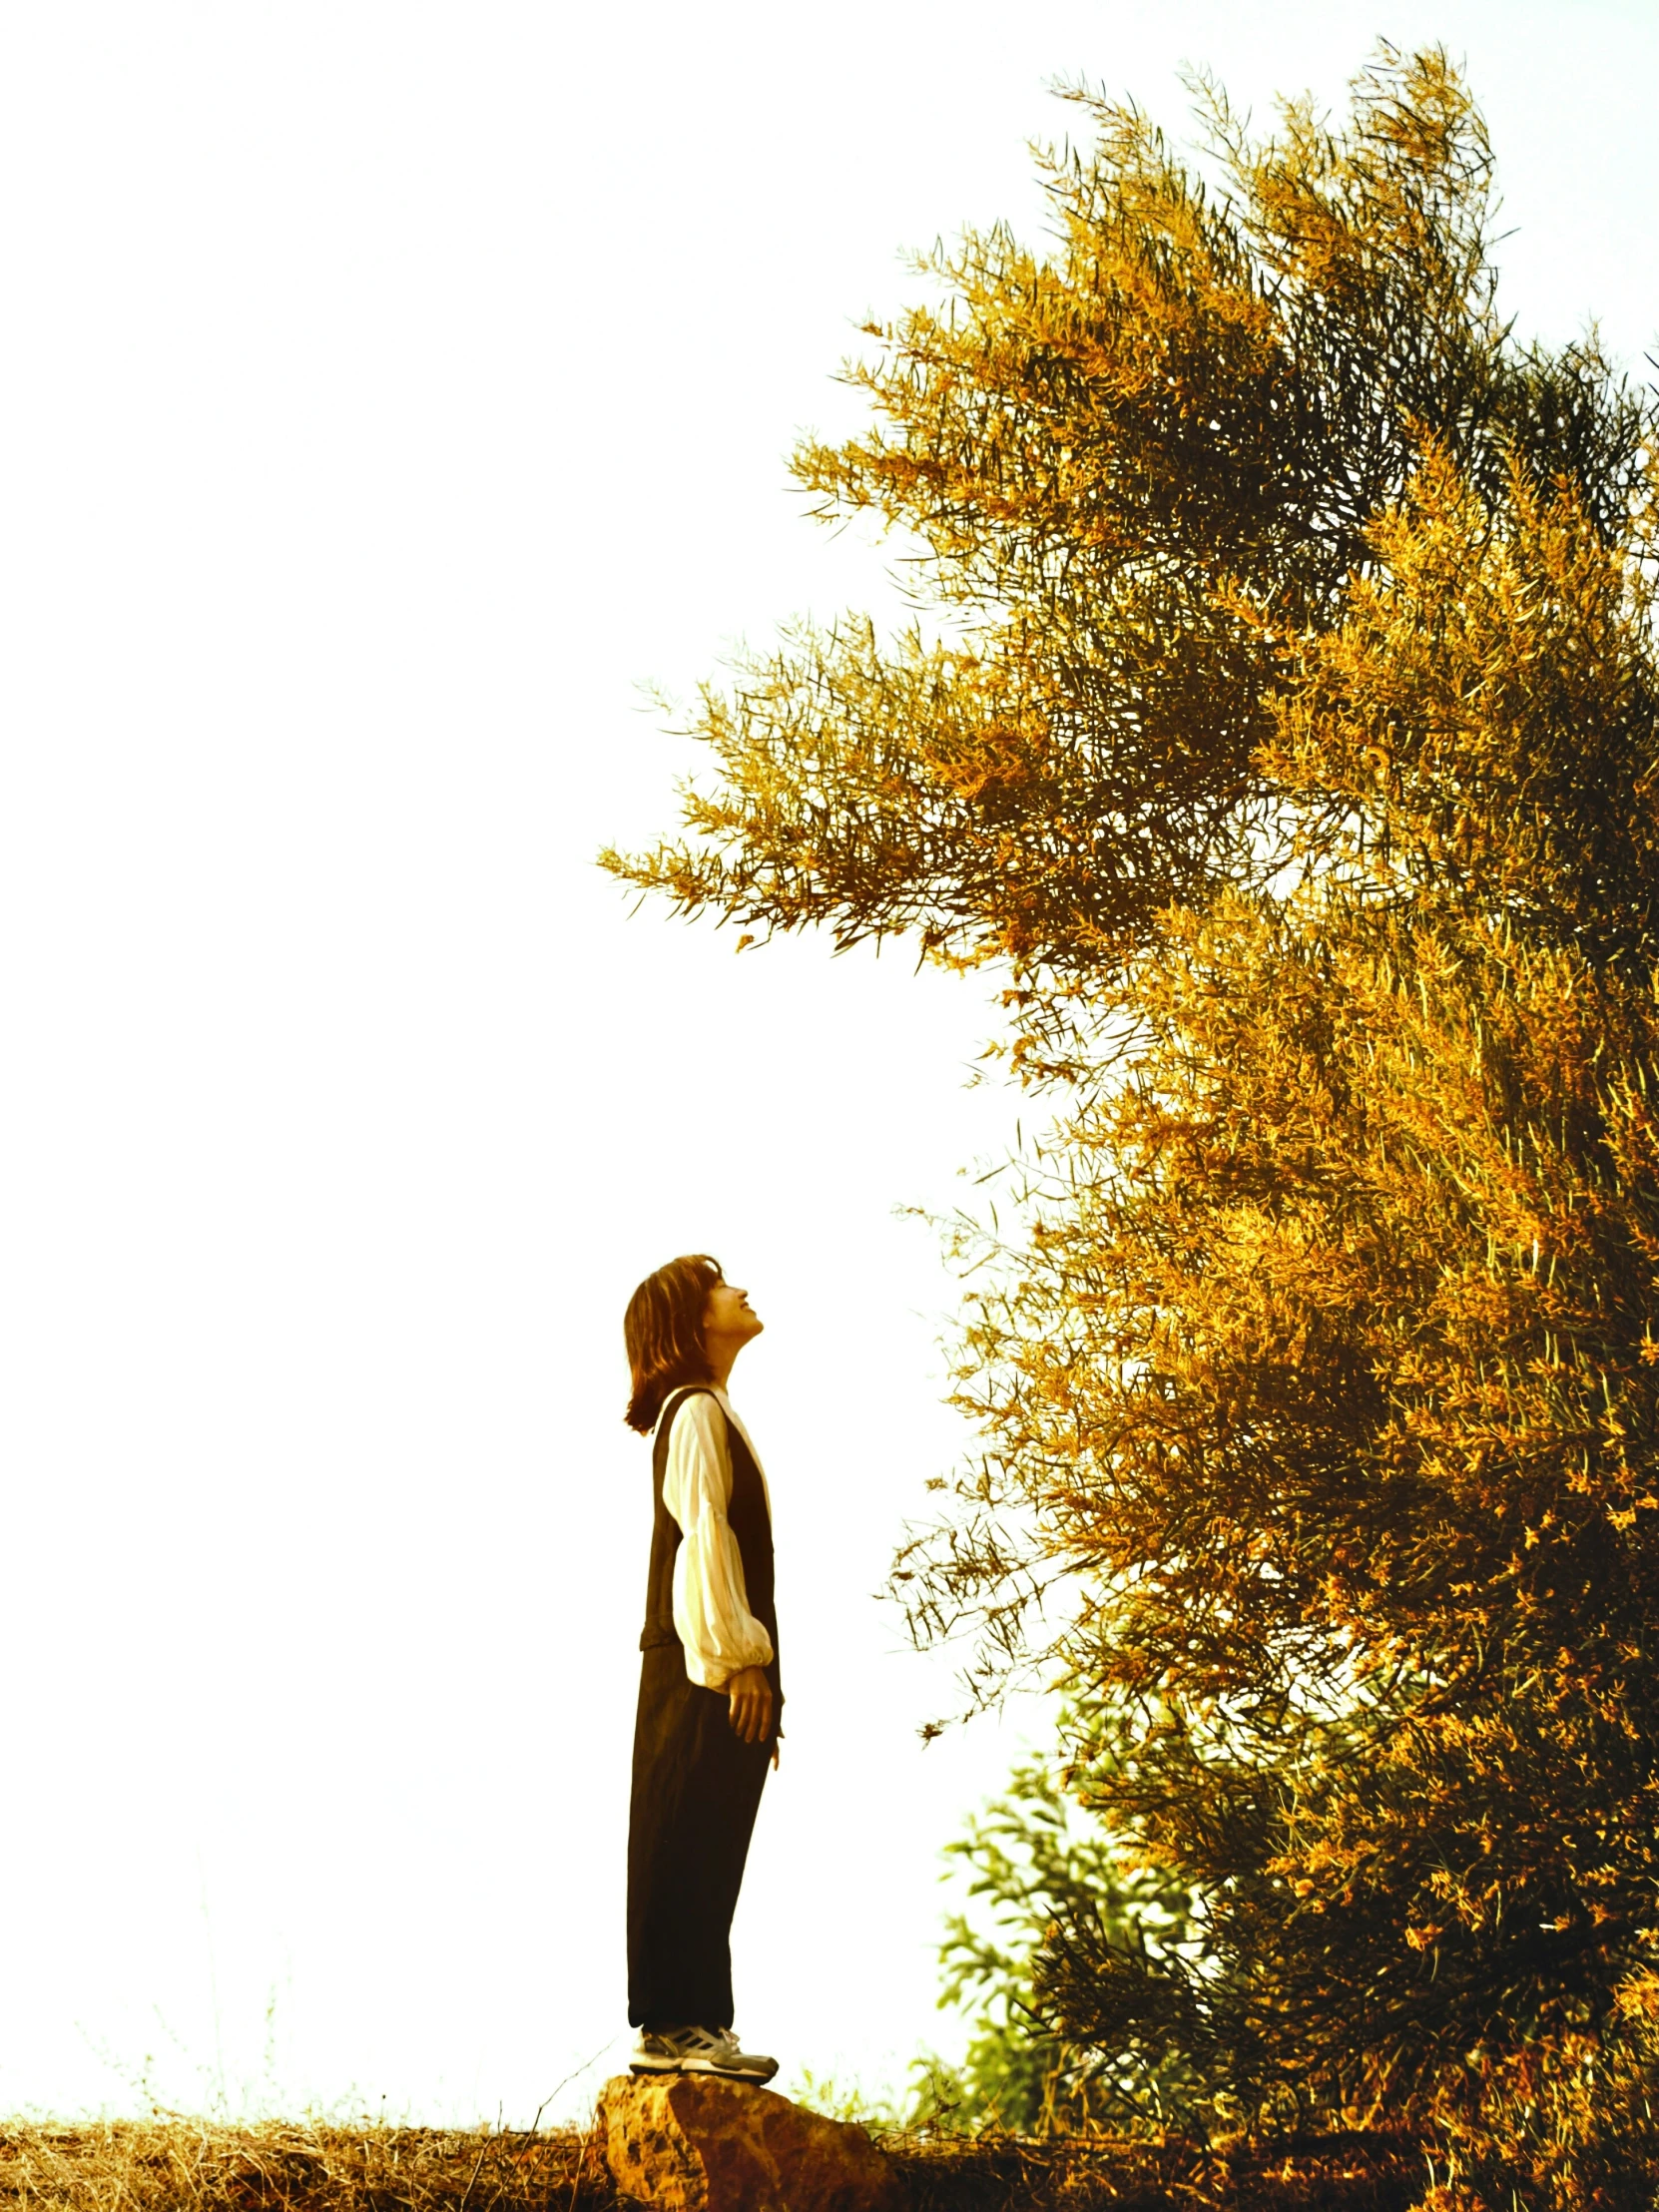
(750, 1524)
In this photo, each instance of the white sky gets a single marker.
(390, 390)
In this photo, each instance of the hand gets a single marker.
(749, 1694)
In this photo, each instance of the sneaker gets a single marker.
(716, 2050)
(654, 2054)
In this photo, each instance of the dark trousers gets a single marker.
(696, 1787)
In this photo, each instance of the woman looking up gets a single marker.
(710, 1698)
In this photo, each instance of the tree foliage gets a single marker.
(1033, 1861)
(1293, 737)
(1140, 464)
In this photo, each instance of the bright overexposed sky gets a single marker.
(391, 389)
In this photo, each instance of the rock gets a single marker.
(695, 2143)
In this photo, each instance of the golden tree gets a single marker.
(1293, 737)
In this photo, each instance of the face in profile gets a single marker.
(729, 1318)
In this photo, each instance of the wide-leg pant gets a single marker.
(696, 1787)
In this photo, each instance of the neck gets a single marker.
(722, 1359)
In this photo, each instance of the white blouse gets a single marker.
(710, 1604)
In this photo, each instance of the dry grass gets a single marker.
(194, 2166)
(182, 2165)
(1099, 2173)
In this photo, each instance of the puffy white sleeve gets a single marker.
(710, 1603)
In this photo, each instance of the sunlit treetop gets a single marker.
(1147, 467)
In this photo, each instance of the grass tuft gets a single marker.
(181, 2165)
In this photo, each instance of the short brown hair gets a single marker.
(662, 1329)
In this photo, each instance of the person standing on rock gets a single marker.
(710, 1696)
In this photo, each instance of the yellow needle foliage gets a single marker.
(1296, 747)
(1140, 465)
